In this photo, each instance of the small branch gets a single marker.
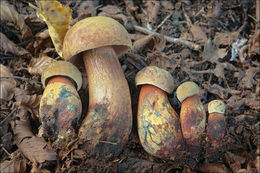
(190, 44)
(14, 77)
(161, 24)
(107, 142)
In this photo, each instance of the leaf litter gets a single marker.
(193, 41)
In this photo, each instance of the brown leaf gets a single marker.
(254, 44)
(9, 14)
(234, 161)
(7, 46)
(219, 90)
(198, 34)
(235, 102)
(7, 84)
(248, 80)
(87, 7)
(111, 9)
(30, 102)
(152, 11)
(34, 148)
(212, 53)
(37, 65)
(225, 39)
(18, 166)
(213, 167)
(151, 42)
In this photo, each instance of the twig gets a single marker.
(167, 38)
(14, 77)
(8, 117)
(5, 150)
(164, 20)
(107, 142)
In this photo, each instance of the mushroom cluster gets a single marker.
(99, 41)
(162, 132)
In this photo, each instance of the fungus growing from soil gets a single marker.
(158, 123)
(216, 127)
(99, 41)
(60, 106)
(192, 115)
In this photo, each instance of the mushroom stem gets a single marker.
(109, 119)
(216, 128)
(61, 79)
(193, 121)
(158, 124)
(60, 109)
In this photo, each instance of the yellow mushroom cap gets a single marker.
(155, 76)
(186, 90)
(95, 32)
(62, 68)
(217, 106)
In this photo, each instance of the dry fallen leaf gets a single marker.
(151, 42)
(111, 9)
(7, 84)
(37, 65)
(212, 53)
(225, 39)
(57, 18)
(152, 10)
(30, 102)
(34, 148)
(254, 44)
(18, 166)
(248, 80)
(234, 161)
(213, 168)
(9, 14)
(198, 34)
(7, 46)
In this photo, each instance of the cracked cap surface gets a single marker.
(155, 76)
(62, 68)
(186, 90)
(217, 106)
(95, 32)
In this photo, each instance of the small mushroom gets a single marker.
(60, 105)
(158, 123)
(192, 115)
(100, 40)
(216, 127)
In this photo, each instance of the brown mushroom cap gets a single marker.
(155, 76)
(62, 68)
(186, 90)
(217, 106)
(95, 32)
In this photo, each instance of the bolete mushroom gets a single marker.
(216, 127)
(192, 115)
(60, 105)
(158, 123)
(100, 40)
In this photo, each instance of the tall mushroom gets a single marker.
(192, 115)
(100, 40)
(60, 106)
(158, 123)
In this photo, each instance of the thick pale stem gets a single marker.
(109, 119)
(193, 121)
(158, 124)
